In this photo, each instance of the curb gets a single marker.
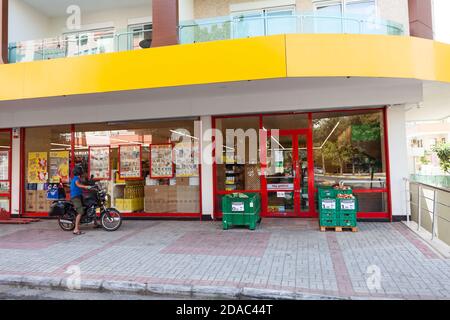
(130, 287)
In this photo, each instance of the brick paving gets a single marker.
(381, 261)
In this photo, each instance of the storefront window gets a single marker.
(146, 166)
(5, 179)
(233, 172)
(349, 148)
(47, 160)
(286, 122)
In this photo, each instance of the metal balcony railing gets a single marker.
(429, 207)
(243, 27)
(222, 28)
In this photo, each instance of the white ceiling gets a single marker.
(435, 105)
(56, 8)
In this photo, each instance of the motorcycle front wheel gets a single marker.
(111, 220)
(66, 223)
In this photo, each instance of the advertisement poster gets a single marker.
(37, 167)
(99, 163)
(59, 167)
(185, 160)
(130, 166)
(161, 161)
(4, 165)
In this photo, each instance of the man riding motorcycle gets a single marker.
(76, 196)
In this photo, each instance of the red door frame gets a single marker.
(298, 213)
(9, 194)
(311, 188)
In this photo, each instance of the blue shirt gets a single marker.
(75, 191)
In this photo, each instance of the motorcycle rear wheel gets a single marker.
(66, 226)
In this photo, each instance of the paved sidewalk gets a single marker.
(284, 258)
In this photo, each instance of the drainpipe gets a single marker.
(165, 23)
(4, 31)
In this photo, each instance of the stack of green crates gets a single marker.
(241, 209)
(335, 212)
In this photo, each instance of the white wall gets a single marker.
(15, 177)
(119, 18)
(207, 167)
(26, 23)
(186, 10)
(398, 157)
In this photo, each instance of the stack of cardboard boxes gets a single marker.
(36, 201)
(179, 198)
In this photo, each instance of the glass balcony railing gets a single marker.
(244, 27)
(221, 28)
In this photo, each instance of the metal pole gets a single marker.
(419, 210)
(433, 228)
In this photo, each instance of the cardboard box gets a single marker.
(182, 181)
(188, 199)
(41, 195)
(31, 201)
(157, 198)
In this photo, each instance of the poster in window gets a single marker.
(186, 156)
(37, 167)
(100, 163)
(161, 161)
(130, 164)
(59, 167)
(4, 165)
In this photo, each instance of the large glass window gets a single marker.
(154, 164)
(5, 163)
(349, 148)
(145, 166)
(47, 160)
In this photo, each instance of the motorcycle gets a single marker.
(96, 198)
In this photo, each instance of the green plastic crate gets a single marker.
(347, 215)
(329, 215)
(248, 203)
(326, 192)
(349, 191)
(241, 210)
(329, 222)
(347, 222)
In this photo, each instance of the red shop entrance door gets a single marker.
(288, 180)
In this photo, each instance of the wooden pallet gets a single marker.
(338, 229)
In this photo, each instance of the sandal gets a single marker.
(79, 233)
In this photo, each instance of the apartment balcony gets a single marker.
(219, 28)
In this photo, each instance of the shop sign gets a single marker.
(59, 167)
(280, 186)
(37, 167)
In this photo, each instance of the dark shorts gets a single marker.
(78, 205)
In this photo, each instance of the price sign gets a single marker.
(329, 204)
(237, 207)
(348, 205)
